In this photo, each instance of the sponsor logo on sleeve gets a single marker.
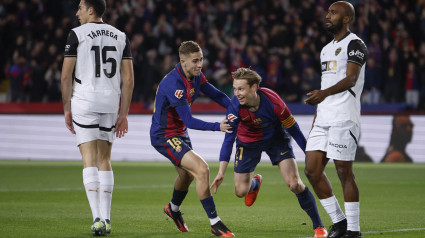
(358, 54)
(231, 117)
(178, 94)
(67, 47)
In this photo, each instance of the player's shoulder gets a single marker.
(95, 29)
(172, 81)
(353, 39)
(234, 102)
(271, 95)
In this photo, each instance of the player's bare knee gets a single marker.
(186, 177)
(240, 192)
(312, 175)
(295, 187)
(344, 174)
(203, 172)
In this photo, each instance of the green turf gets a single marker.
(47, 199)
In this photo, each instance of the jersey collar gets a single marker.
(346, 34)
(181, 72)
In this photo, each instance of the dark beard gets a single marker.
(334, 29)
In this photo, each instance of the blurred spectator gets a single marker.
(273, 73)
(293, 89)
(150, 76)
(371, 91)
(53, 79)
(224, 82)
(412, 86)
(310, 81)
(39, 85)
(392, 77)
(422, 82)
(16, 75)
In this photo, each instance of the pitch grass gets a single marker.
(47, 199)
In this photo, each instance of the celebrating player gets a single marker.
(172, 115)
(101, 57)
(259, 118)
(336, 126)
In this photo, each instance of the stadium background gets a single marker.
(279, 39)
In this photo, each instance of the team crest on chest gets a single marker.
(337, 51)
(257, 121)
(178, 94)
(192, 92)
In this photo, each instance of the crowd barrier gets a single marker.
(45, 137)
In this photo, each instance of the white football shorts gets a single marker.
(91, 126)
(339, 140)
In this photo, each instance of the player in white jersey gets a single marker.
(98, 59)
(336, 125)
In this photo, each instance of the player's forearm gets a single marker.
(127, 86)
(126, 95)
(223, 167)
(66, 82)
(298, 136)
(194, 123)
(343, 85)
(226, 148)
(66, 88)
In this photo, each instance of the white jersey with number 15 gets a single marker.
(99, 49)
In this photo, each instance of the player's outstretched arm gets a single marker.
(121, 127)
(220, 176)
(197, 124)
(215, 94)
(66, 87)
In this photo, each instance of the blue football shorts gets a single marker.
(247, 158)
(174, 148)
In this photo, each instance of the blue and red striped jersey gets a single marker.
(175, 95)
(254, 128)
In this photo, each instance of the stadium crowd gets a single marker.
(280, 39)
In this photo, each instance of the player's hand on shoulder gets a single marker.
(225, 127)
(217, 182)
(68, 121)
(315, 97)
(121, 127)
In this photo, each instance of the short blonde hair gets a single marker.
(188, 47)
(249, 75)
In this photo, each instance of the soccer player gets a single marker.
(336, 125)
(175, 94)
(100, 55)
(259, 118)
